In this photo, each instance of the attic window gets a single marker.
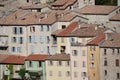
(63, 26)
(23, 19)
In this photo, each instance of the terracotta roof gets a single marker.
(67, 17)
(97, 40)
(13, 59)
(3, 56)
(87, 30)
(33, 18)
(62, 4)
(97, 9)
(112, 41)
(67, 30)
(37, 57)
(56, 57)
(116, 17)
(35, 6)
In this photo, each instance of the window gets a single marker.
(48, 49)
(92, 65)
(21, 40)
(84, 64)
(118, 51)
(74, 52)
(105, 62)
(14, 30)
(92, 56)
(63, 26)
(48, 39)
(63, 49)
(32, 29)
(13, 49)
(62, 40)
(117, 62)
(21, 30)
(105, 72)
(68, 63)
(30, 63)
(30, 39)
(75, 74)
(113, 50)
(75, 63)
(51, 73)
(59, 73)
(68, 73)
(32, 49)
(48, 28)
(40, 64)
(84, 74)
(118, 75)
(59, 63)
(14, 39)
(41, 27)
(105, 51)
(19, 49)
(50, 63)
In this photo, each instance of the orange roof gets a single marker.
(97, 9)
(97, 40)
(13, 59)
(37, 57)
(68, 29)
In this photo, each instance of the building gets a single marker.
(93, 57)
(35, 64)
(110, 57)
(58, 67)
(115, 23)
(11, 65)
(79, 39)
(98, 14)
(118, 2)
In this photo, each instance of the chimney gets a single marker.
(107, 35)
(46, 16)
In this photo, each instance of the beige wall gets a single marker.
(55, 71)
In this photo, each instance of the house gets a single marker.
(110, 57)
(35, 64)
(98, 14)
(58, 67)
(12, 64)
(115, 23)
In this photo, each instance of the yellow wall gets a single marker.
(93, 73)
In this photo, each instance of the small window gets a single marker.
(41, 27)
(14, 39)
(68, 63)
(105, 72)
(21, 30)
(84, 64)
(48, 28)
(59, 63)
(117, 62)
(92, 65)
(84, 74)
(75, 63)
(105, 62)
(113, 50)
(83, 52)
(74, 52)
(62, 40)
(30, 63)
(63, 26)
(105, 51)
(118, 75)
(68, 73)
(92, 56)
(50, 63)
(13, 49)
(40, 63)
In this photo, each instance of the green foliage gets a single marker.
(106, 2)
(5, 77)
(22, 72)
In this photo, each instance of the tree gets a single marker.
(22, 72)
(106, 2)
